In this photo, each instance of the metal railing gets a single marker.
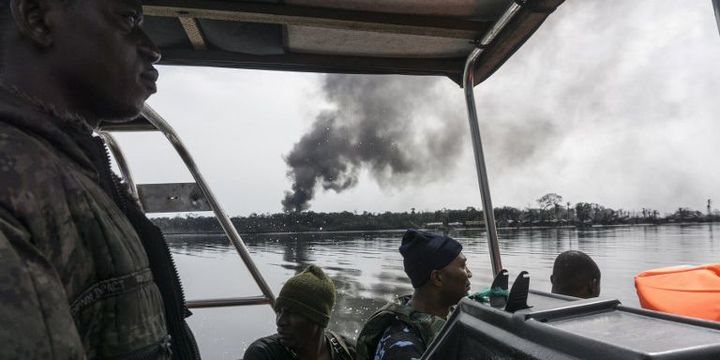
(468, 84)
(159, 124)
(716, 7)
(122, 164)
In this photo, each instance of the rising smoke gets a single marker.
(601, 104)
(393, 127)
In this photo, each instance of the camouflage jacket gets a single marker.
(75, 280)
(425, 325)
(400, 341)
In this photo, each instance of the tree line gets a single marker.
(551, 211)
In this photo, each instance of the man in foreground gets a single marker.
(303, 311)
(83, 273)
(403, 329)
(575, 274)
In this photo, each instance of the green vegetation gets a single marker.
(551, 212)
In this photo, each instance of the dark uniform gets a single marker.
(270, 348)
(83, 273)
(397, 332)
(400, 341)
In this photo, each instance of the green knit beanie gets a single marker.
(310, 293)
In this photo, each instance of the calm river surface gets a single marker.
(367, 269)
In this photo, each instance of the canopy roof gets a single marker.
(414, 37)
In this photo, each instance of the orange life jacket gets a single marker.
(684, 290)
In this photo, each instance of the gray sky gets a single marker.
(611, 101)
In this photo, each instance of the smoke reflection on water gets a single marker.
(367, 269)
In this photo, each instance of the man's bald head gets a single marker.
(575, 274)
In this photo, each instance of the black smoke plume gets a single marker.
(392, 127)
(621, 114)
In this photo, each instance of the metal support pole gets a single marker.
(160, 123)
(493, 245)
(716, 6)
(468, 85)
(244, 301)
(122, 164)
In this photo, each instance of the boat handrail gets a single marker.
(159, 124)
(122, 164)
(468, 86)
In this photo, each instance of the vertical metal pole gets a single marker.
(716, 6)
(122, 164)
(159, 123)
(468, 84)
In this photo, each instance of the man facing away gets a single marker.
(302, 312)
(403, 329)
(575, 274)
(83, 273)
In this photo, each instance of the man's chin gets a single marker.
(122, 115)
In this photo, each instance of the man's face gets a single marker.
(295, 330)
(103, 57)
(455, 280)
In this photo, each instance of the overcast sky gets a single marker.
(611, 101)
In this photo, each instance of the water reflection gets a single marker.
(192, 245)
(368, 271)
(710, 230)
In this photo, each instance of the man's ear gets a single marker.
(595, 287)
(31, 19)
(436, 278)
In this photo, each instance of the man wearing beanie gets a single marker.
(302, 314)
(403, 329)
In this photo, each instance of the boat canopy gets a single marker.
(409, 37)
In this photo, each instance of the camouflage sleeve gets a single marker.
(34, 309)
(399, 342)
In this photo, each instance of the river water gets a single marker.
(367, 269)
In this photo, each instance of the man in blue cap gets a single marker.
(404, 328)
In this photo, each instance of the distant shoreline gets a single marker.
(548, 216)
(459, 229)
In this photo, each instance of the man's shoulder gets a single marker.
(267, 348)
(400, 341)
(401, 330)
(11, 135)
(20, 150)
(26, 163)
(398, 308)
(378, 323)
